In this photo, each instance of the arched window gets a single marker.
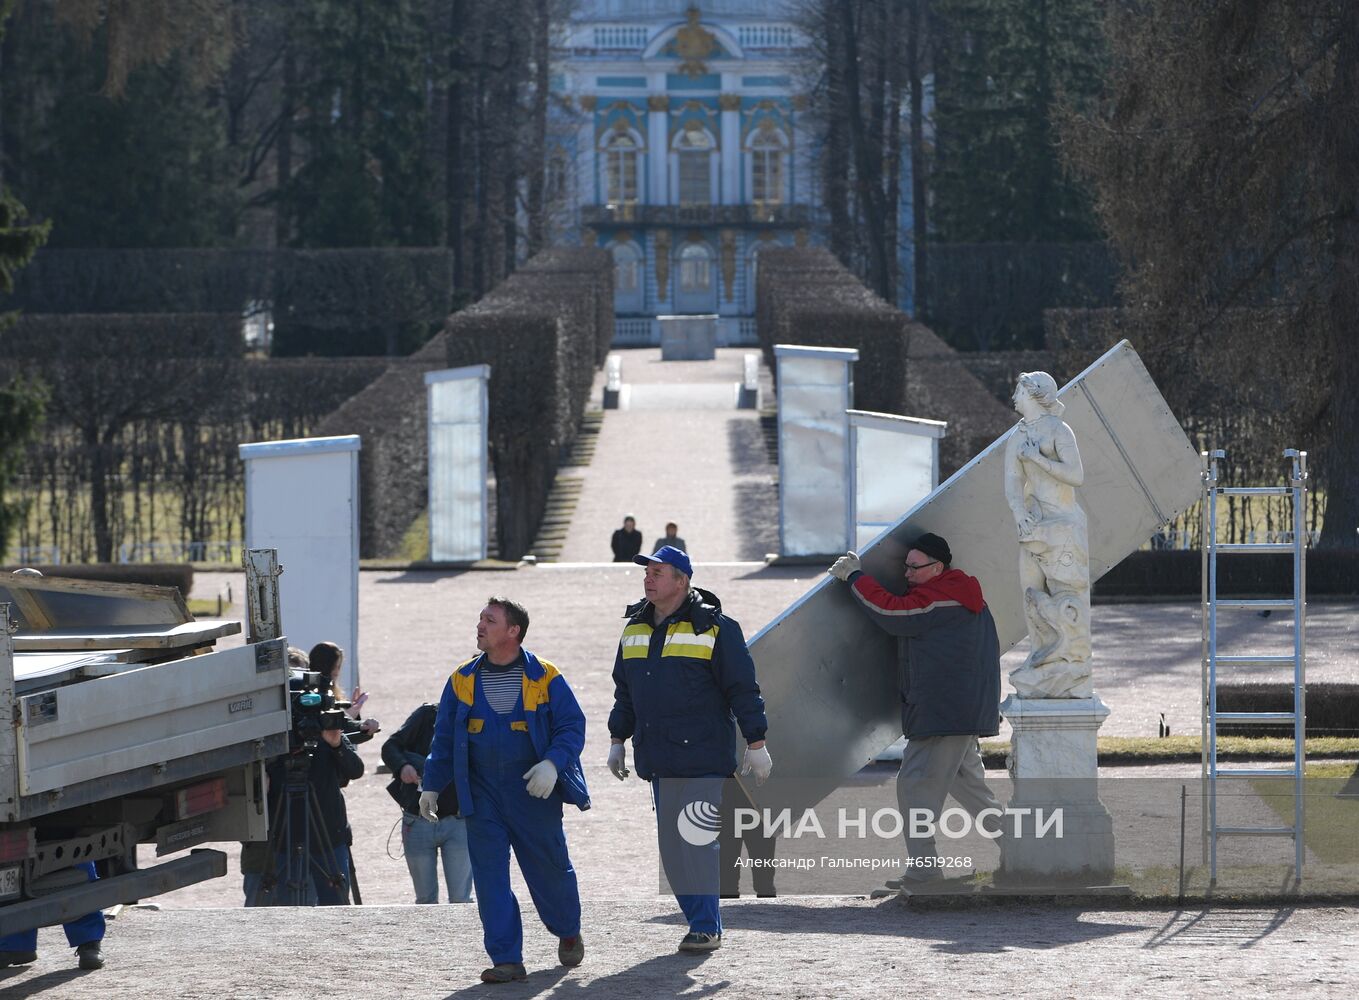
(620, 169)
(694, 149)
(695, 272)
(627, 282)
(766, 167)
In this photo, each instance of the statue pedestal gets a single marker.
(1066, 839)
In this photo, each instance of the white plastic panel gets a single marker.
(302, 498)
(896, 465)
(815, 388)
(458, 424)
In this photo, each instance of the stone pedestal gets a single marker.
(1065, 839)
(688, 338)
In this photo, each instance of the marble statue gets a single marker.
(1042, 470)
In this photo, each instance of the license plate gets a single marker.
(9, 882)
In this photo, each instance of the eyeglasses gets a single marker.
(911, 566)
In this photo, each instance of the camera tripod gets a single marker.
(294, 868)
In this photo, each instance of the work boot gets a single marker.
(571, 951)
(505, 972)
(8, 958)
(696, 941)
(90, 955)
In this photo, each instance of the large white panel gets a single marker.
(815, 482)
(896, 465)
(458, 463)
(829, 675)
(302, 498)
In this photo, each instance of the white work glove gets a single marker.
(541, 778)
(846, 565)
(618, 761)
(429, 806)
(759, 762)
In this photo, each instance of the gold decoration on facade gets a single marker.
(766, 235)
(662, 264)
(729, 263)
(591, 237)
(622, 236)
(800, 238)
(694, 44)
(588, 102)
(657, 102)
(693, 236)
(801, 102)
(729, 102)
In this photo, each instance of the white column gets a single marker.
(657, 151)
(731, 141)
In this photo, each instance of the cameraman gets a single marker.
(326, 658)
(308, 823)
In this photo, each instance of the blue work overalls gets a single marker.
(80, 931)
(505, 815)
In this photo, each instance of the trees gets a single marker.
(1000, 68)
(1225, 159)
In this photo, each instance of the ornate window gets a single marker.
(695, 262)
(620, 169)
(627, 266)
(766, 169)
(694, 148)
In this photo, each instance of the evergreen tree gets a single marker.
(1000, 68)
(363, 122)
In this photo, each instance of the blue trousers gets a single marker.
(88, 928)
(688, 821)
(425, 843)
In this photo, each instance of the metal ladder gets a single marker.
(1212, 660)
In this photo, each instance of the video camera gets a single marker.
(314, 710)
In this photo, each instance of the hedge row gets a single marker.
(1332, 708)
(157, 574)
(541, 331)
(1179, 574)
(805, 296)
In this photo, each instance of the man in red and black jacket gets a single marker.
(950, 694)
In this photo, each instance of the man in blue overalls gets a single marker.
(509, 735)
(84, 934)
(683, 684)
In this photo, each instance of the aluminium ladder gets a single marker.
(1213, 660)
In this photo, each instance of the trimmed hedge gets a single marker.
(805, 296)
(1332, 708)
(541, 331)
(157, 574)
(1178, 573)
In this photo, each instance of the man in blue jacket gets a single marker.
(508, 735)
(683, 683)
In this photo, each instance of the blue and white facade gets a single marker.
(679, 147)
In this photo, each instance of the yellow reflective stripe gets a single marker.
(681, 640)
(535, 692)
(464, 685)
(636, 642)
(475, 725)
(519, 727)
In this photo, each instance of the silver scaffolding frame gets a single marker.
(1212, 659)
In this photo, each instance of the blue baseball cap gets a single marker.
(669, 555)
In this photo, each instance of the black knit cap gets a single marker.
(934, 547)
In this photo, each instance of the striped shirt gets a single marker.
(502, 685)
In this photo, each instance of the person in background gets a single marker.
(626, 541)
(84, 934)
(671, 538)
(424, 843)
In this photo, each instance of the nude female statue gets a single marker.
(1042, 470)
